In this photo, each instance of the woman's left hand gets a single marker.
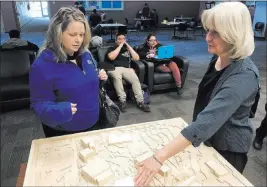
(151, 55)
(147, 170)
(102, 75)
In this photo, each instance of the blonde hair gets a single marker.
(232, 21)
(58, 25)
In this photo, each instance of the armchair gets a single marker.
(162, 81)
(14, 79)
(138, 66)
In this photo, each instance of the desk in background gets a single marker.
(145, 21)
(184, 18)
(111, 26)
(173, 24)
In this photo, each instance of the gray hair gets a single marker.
(58, 25)
(233, 23)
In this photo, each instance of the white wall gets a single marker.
(202, 7)
(9, 17)
(54, 6)
(23, 13)
(260, 16)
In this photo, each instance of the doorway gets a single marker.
(33, 16)
(38, 8)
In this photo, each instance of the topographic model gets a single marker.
(108, 158)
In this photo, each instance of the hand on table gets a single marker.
(146, 171)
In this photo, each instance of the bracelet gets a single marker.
(157, 160)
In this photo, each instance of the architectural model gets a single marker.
(110, 157)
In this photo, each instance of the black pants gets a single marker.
(261, 132)
(238, 160)
(50, 132)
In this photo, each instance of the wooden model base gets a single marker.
(57, 161)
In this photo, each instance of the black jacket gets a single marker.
(95, 19)
(143, 50)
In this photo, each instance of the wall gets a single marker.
(53, 6)
(168, 9)
(202, 7)
(2, 24)
(9, 18)
(23, 13)
(260, 16)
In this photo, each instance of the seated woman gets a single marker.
(64, 82)
(149, 50)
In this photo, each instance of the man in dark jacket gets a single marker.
(15, 42)
(146, 10)
(80, 7)
(95, 18)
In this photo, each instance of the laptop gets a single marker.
(165, 52)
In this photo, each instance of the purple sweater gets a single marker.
(54, 86)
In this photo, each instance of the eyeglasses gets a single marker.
(152, 40)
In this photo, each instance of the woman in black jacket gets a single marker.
(149, 50)
(225, 94)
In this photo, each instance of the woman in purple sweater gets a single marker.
(64, 82)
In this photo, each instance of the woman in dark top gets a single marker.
(206, 86)
(225, 94)
(149, 50)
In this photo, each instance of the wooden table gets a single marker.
(55, 162)
(22, 171)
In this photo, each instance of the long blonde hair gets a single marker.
(58, 25)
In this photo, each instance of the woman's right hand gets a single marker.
(73, 108)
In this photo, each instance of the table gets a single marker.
(174, 24)
(146, 21)
(110, 26)
(184, 18)
(21, 176)
(54, 161)
(143, 19)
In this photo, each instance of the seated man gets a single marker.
(15, 42)
(120, 56)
